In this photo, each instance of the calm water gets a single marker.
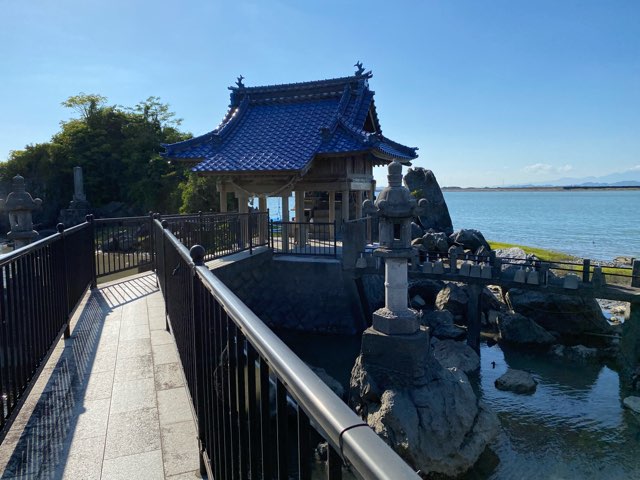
(590, 224)
(573, 427)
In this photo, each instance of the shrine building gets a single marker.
(319, 139)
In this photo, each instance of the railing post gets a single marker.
(635, 273)
(197, 253)
(201, 227)
(65, 277)
(92, 232)
(165, 224)
(586, 265)
(250, 232)
(335, 242)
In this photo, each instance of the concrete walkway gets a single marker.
(111, 402)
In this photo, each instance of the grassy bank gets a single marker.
(542, 254)
(614, 274)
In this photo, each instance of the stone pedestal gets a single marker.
(395, 360)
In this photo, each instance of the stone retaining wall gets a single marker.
(295, 293)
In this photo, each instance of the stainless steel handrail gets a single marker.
(370, 457)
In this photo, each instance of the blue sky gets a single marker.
(491, 92)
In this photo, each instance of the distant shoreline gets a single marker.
(535, 189)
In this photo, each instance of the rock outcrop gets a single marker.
(441, 326)
(571, 317)
(518, 329)
(438, 426)
(423, 184)
(459, 355)
(454, 298)
(469, 239)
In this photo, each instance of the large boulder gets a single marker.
(518, 329)
(435, 242)
(571, 316)
(423, 184)
(438, 426)
(458, 355)
(454, 298)
(427, 289)
(441, 326)
(469, 239)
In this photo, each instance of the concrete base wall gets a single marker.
(295, 293)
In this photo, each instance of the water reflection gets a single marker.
(573, 427)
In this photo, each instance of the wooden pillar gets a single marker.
(243, 207)
(474, 311)
(222, 191)
(345, 205)
(301, 234)
(372, 191)
(332, 213)
(263, 221)
(359, 201)
(284, 234)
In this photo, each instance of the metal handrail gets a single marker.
(361, 447)
(8, 257)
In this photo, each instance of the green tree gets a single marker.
(119, 151)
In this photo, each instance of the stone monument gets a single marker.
(19, 205)
(79, 206)
(395, 337)
(428, 414)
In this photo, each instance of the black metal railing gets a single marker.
(221, 234)
(259, 407)
(40, 286)
(123, 244)
(301, 238)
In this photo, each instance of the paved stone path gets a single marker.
(111, 402)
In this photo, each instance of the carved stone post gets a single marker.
(19, 205)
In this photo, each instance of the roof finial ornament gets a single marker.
(239, 82)
(360, 69)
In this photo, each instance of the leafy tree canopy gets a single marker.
(118, 149)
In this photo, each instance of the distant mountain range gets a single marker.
(630, 178)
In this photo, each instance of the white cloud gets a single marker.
(545, 169)
(635, 168)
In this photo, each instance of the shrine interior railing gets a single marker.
(260, 410)
(303, 238)
(42, 283)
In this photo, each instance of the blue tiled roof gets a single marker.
(282, 127)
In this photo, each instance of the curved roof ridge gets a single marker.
(301, 85)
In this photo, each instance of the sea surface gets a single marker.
(590, 224)
(573, 427)
(600, 225)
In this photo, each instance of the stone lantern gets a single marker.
(19, 205)
(395, 347)
(395, 208)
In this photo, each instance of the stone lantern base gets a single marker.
(402, 322)
(395, 360)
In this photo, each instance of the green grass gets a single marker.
(614, 275)
(541, 253)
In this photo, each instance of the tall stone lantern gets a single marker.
(19, 205)
(395, 344)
